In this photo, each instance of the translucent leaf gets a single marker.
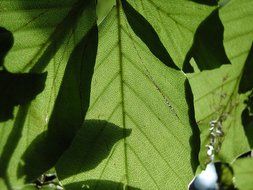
(45, 36)
(243, 173)
(131, 90)
(175, 22)
(216, 92)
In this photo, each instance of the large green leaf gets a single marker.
(131, 90)
(45, 35)
(175, 22)
(216, 92)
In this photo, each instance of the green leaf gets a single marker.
(237, 19)
(243, 173)
(45, 33)
(216, 92)
(133, 90)
(69, 110)
(175, 22)
(216, 98)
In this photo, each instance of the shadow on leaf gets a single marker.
(208, 50)
(69, 110)
(91, 146)
(246, 83)
(16, 89)
(6, 43)
(195, 138)
(247, 119)
(147, 34)
(206, 2)
(98, 185)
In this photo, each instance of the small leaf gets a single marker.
(243, 172)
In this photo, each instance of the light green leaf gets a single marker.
(216, 97)
(216, 92)
(175, 22)
(243, 173)
(45, 34)
(237, 19)
(131, 90)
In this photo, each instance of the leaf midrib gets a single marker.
(119, 7)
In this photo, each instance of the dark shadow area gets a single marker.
(16, 89)
(69, 110)
(207, 2)
(6, 43)
(92, 144)
(246, 155)
(208, 50)
(147, 34)
(98, 185)
(246, 83)
(247, 119)
(225, 176)
(195, 138)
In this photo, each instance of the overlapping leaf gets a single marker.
(216, 92)
(45, 34)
